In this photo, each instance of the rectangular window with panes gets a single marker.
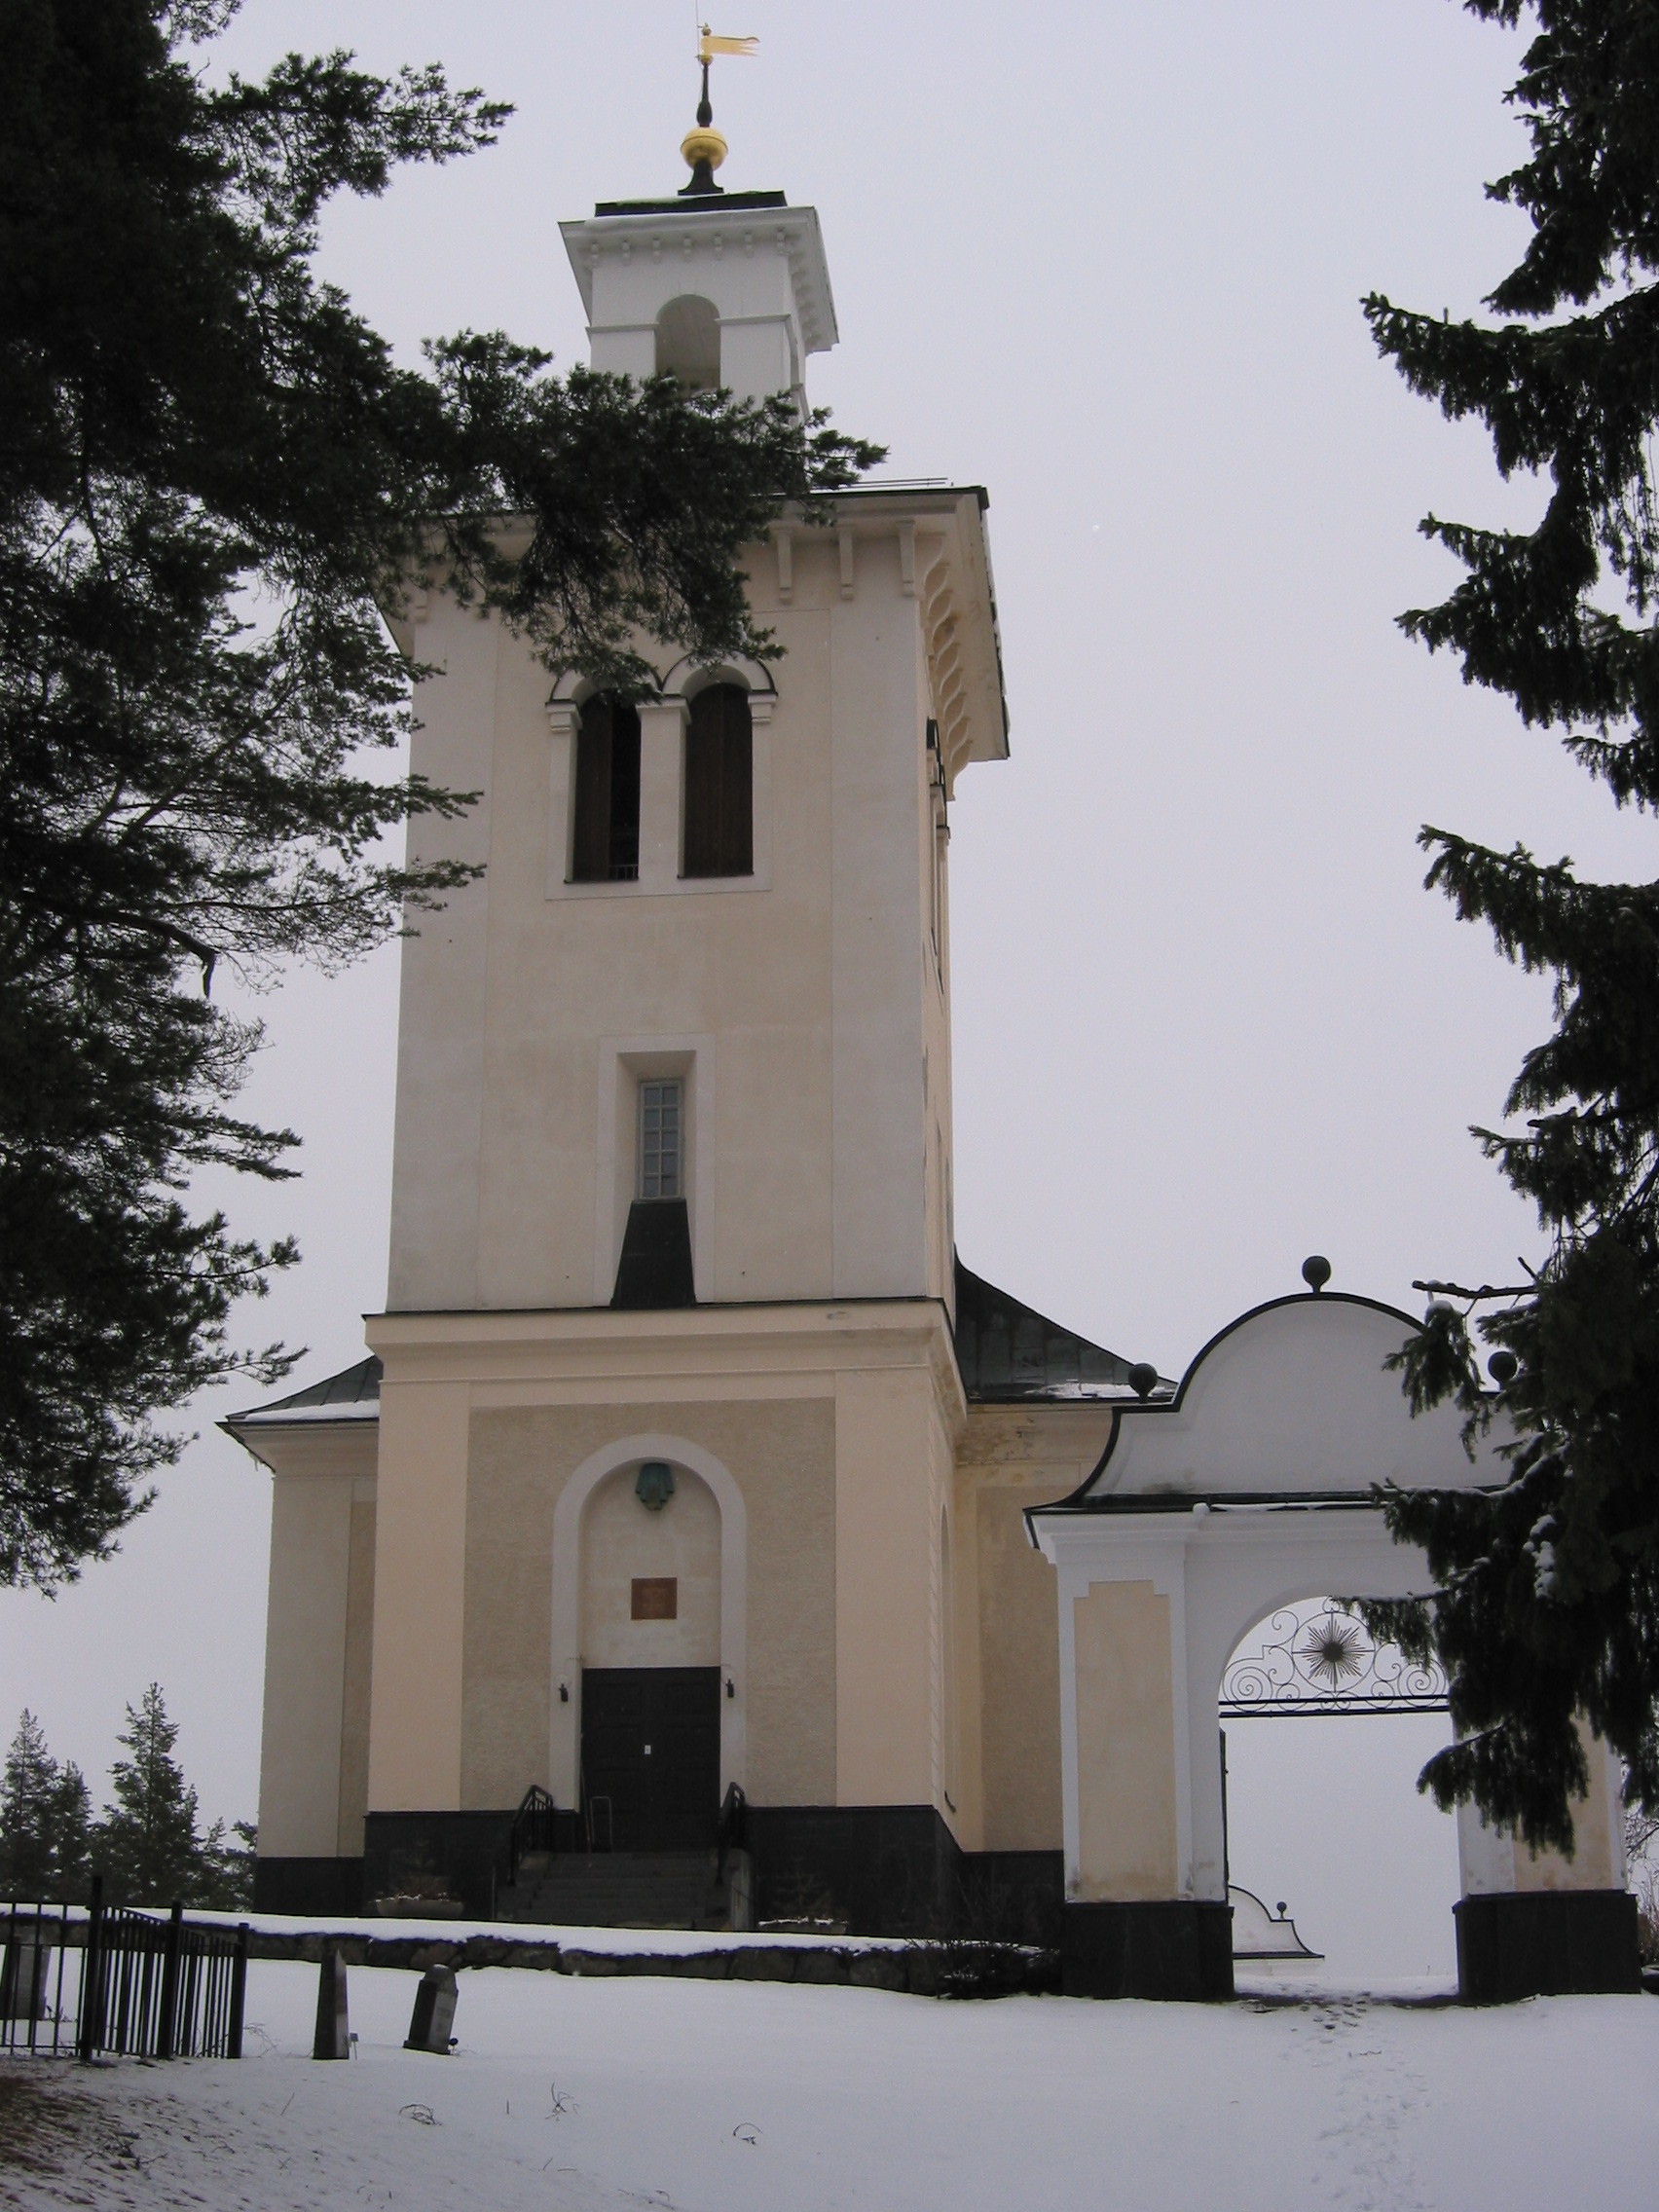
(662, 1128)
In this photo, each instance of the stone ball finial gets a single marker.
(1503, 1367)
(1315, 1271)
(1143, 1378)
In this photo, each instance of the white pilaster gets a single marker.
(662, 737)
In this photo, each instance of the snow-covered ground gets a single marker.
(568, 2095)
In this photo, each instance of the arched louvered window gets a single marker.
(606, 848)
(719, 801)
(688, 342)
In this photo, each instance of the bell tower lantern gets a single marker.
(718, 287)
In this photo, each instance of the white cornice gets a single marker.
(793, 230)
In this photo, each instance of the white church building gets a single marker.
(700, 1542)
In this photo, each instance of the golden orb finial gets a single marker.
(703, 144)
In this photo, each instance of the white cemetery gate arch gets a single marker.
(1248, 1490)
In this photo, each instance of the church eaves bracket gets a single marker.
(783, 541)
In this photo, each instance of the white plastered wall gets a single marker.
(623, 1540)
(1293, 1400)
(761, 269)
(323, 1480)
(1216, 1573)
(824, 1168)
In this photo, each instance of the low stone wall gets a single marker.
(918, 1969)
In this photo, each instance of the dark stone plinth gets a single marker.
(1547, 1944)
(324, 1886)
(1013, 1897)
(1177, 1948)
(469, 1851)
(876, 1869)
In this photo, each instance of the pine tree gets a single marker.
(228, 1864)
(148, 1844)
(45, 1821)
(28, 1795)
(71, 1833)
(194, 423)
(1547, 1599)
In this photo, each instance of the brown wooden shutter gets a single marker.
(719, 804)
(624, 792)
(606, 848)
(590, 852)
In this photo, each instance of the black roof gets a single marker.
(352, 1387)
(1010, 1355)
(692, 203)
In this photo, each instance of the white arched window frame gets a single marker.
(662, 765)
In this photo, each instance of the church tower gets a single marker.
(651, 1500)
(688, 1038)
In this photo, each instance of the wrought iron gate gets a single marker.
(1319, 1658)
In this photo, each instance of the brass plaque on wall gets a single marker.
(656, 1597)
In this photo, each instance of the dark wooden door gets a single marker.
(651, 1745)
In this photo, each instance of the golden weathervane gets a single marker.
(704, 149)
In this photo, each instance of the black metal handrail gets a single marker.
(535, 1828)
(732, 1834)
(590, 1806)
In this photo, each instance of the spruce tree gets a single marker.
(231, 1859)
(149, 1847)
(195, 425)
(45, 1821)
(1547, 1597)
(71, 1833)
(29, 1797)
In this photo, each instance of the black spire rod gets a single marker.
(704, 148)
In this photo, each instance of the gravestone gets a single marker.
(333, 2039)
(434, 2017)
(24, 1978)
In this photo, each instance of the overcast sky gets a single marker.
(1107, 261)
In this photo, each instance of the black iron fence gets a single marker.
(82, 1981)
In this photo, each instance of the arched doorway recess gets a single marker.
(1249, 1486)
(597, 1604)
